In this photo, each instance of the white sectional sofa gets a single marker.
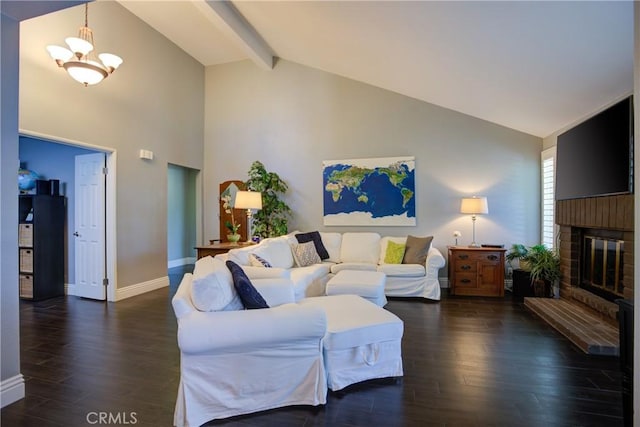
(235, 361)
(347, 251)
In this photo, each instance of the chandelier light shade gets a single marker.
(474, 206)
(80, 60)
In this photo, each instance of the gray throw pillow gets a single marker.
(416, 250)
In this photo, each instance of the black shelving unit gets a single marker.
(41, 246)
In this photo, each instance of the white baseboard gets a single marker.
(141, 288)
(180, 262)
(70, 289)
(11, 390)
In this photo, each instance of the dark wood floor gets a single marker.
(467, 361)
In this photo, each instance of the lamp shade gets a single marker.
(474, 205)
(248, 200)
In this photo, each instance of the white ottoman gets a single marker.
(362, 342)
(367, 284)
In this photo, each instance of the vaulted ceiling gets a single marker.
(536, 67)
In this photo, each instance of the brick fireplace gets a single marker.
(608, 219)
(596, 262)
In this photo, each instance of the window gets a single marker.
(548, 171)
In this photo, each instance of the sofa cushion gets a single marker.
(314, 236)
(417, 249)
(251, 298)
(277, 251)
(257, 261)
(359, 266)
(212, 285)
(265, 273)
(332, 242)
(360, 247)
(384, 242)
(402, 270)
(305, 254)
(275, 291)
(304, 277)
(241, 255)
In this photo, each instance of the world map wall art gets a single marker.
(378, 191)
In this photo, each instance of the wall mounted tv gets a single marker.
(595, 158)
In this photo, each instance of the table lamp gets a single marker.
(474, 206)
(248, 200)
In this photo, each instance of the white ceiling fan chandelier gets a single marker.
(80, 60)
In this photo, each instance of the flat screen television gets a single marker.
(595, 158)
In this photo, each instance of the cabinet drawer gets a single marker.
(466, 280)
(477, 256)
(26, 260)
(463, 266)
(26, 286)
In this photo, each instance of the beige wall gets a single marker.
(154, 101)
(294, 117)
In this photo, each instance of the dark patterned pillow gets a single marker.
(314, 236)
(249, 295)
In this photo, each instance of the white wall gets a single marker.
(153, 101)
(294, 117)
(11, 382)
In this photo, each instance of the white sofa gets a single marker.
(347, 251)
(235, 361)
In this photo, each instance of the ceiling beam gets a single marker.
(225, 15)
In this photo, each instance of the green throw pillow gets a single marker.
(395, 253)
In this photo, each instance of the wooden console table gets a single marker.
(476, 271)
(219, 248)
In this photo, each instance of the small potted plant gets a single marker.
(232, 226)
(518, 252)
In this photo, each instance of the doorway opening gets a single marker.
(54, 158)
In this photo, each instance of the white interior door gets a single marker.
(89, 234)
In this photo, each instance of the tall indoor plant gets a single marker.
(544, 269)
(271, 220)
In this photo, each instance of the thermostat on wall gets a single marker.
(146, 154)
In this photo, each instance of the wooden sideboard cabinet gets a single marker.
(476, 271)
(219, 248)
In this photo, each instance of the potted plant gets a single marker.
(518, 252)
(544, 269)
(232, 226)
(271, 220)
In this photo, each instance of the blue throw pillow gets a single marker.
(249, 295)
(314, 236)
